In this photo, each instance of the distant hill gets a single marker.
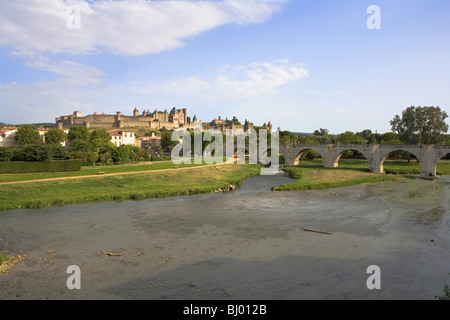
(303, 133)
(47, 125)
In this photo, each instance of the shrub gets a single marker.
(40, 166)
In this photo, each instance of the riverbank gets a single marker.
(311, 175)
(124, 186)
(250, 244)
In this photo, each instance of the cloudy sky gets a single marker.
(302, 64)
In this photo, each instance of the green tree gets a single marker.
(287, 136)
(27, 135)
(100, 135)
(100, 141)
(55, 136)
(122, 154)
(80, 145)
(421, 125)
(8, 153)
(365, 134)
(78, 133)
(349, 137)
(321, 132)
(390, 138)
(166, 141)
(34, 153)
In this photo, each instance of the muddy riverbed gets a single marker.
(245, 244)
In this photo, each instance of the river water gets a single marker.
(245, 244)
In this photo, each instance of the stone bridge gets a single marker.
(427, 155)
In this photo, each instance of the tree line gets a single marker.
(92, 147)
(416, 125)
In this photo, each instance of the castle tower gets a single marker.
(135, 113)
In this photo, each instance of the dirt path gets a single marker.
(111, 174)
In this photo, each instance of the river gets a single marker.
(245, 244)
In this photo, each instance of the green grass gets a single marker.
(312, 174)
(309, 178)
(3, 258)
(124, 187)
(91, 171)
(403, 167)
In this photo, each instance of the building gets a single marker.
(157, 120)
(153, 142)
(120, 137)
(234, 125)
(42, 132)
(175, 119)
(7, 135)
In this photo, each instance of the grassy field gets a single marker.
(136, 186)
(312, 174)
(91, 171)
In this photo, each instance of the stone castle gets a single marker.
(176, 119)
(157, 120)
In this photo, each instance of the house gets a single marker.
(7, 136)
(153, 142)
(120, 137)
(43, 131)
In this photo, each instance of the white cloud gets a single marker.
(81, 87)
(128, 27)
(74, 73)
(42, 101)
(258, 79)
(231, 82)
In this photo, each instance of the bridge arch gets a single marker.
(341, 151)
(300, 151)
(385, 154)
(440, 154)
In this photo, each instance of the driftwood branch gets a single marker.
(316, 231)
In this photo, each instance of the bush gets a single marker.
(33, 153)
(8, 153)
(40, 166)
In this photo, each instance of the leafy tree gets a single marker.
(78, 133)
(121, 155)
(27, 135)
(100, 141)
(58, 152)
(310, 155)
(55, 136)
(287, 136)
(349, 137)
(100, 135)
(7, 153)
(80, 145)
(166, 141)
(420, 125)
(34, 153)
(366, 135)
(389, 138)
(321, 132)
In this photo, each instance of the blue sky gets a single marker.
(302, 64)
